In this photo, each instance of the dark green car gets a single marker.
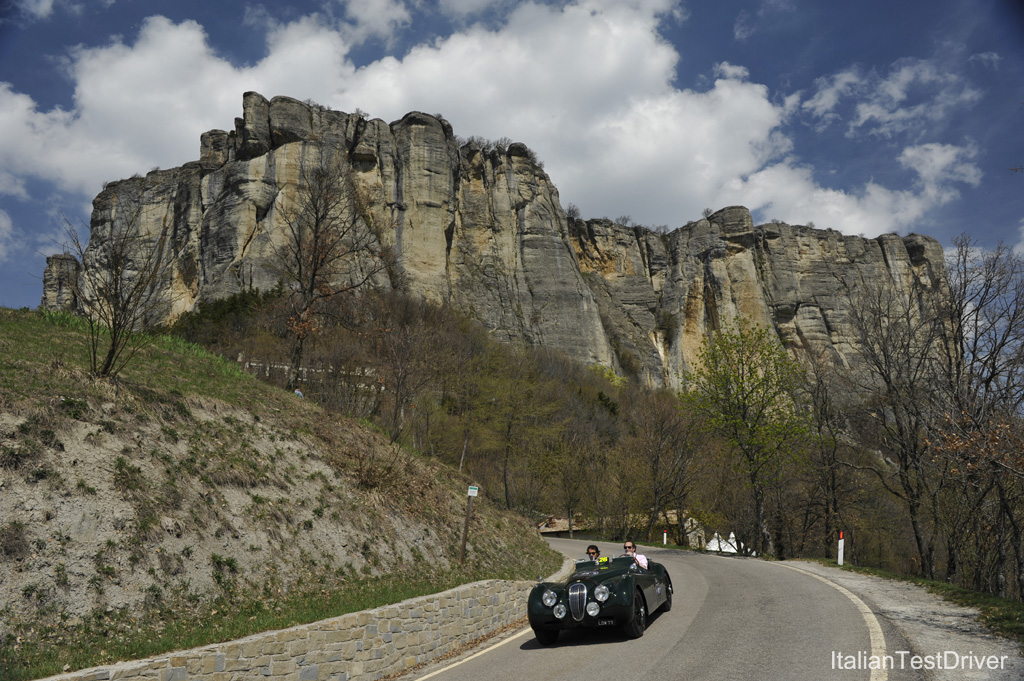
(611, 592)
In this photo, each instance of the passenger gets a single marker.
(630, 547)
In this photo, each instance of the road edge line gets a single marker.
(874, 628)
(476, 654)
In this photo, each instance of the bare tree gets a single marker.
(332, 243)
(983, 363)
(408, 342)
(832, 487)
(899, 333)
(665, 441)
(122, 286)
(569, 464)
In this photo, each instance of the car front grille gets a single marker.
(577, 600)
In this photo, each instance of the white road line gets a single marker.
(522, 633)
(874, 628)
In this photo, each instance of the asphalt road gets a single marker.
(732, 618)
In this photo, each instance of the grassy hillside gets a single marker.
(186, 502)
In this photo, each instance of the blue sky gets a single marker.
(868, 117)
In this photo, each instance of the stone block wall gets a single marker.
(360, 646)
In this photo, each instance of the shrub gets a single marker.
(13, 542)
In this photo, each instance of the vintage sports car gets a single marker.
(603, 593)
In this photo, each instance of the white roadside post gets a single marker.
(664, 539)
(841, 542)
(473, 491)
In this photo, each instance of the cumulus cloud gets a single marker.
(589, 85)
(940, 167)
(144, 104)
(788, 191)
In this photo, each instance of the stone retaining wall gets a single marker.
(360, 646)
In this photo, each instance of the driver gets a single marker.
(630, 547)
(593, 553)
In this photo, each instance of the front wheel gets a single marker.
(635, 627)
(546, 637)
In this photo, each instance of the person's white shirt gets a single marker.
(640, 558)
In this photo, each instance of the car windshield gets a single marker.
(603, 562)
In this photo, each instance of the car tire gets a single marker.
(546, 637)
(636, 626)
(667, 605)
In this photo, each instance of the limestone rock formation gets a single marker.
(661, 294)
(481, 227)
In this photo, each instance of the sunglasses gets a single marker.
(591, 553)
(629, 547)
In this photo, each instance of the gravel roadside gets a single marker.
(930, 626)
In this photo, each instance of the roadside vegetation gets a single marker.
(915, 449)
(185, 501)
(914, 452)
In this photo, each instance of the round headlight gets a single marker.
(601, 593)
(560, 610)
(593, 608)
(549, 598)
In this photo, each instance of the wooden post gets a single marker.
(465, 528)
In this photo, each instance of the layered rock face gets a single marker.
(482, 229)
(660, 295)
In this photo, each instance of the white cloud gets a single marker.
(29, 11)
(375, 18)
(831, 90)
(744, 26)
(789, 192)
(727, 70)
(748, 24)
(6, 235)
(12, 185)
(913, 93)
(145, 104)
(589, 85)
(940, 167)
(1019, 248)
(989, 60)
(36, 9)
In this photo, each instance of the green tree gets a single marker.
(744, 384)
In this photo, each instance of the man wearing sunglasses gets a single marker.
(593, 553)
(630, 547)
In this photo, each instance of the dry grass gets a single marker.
(184, 488)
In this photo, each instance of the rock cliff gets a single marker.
(661, 293)
(481, 227)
